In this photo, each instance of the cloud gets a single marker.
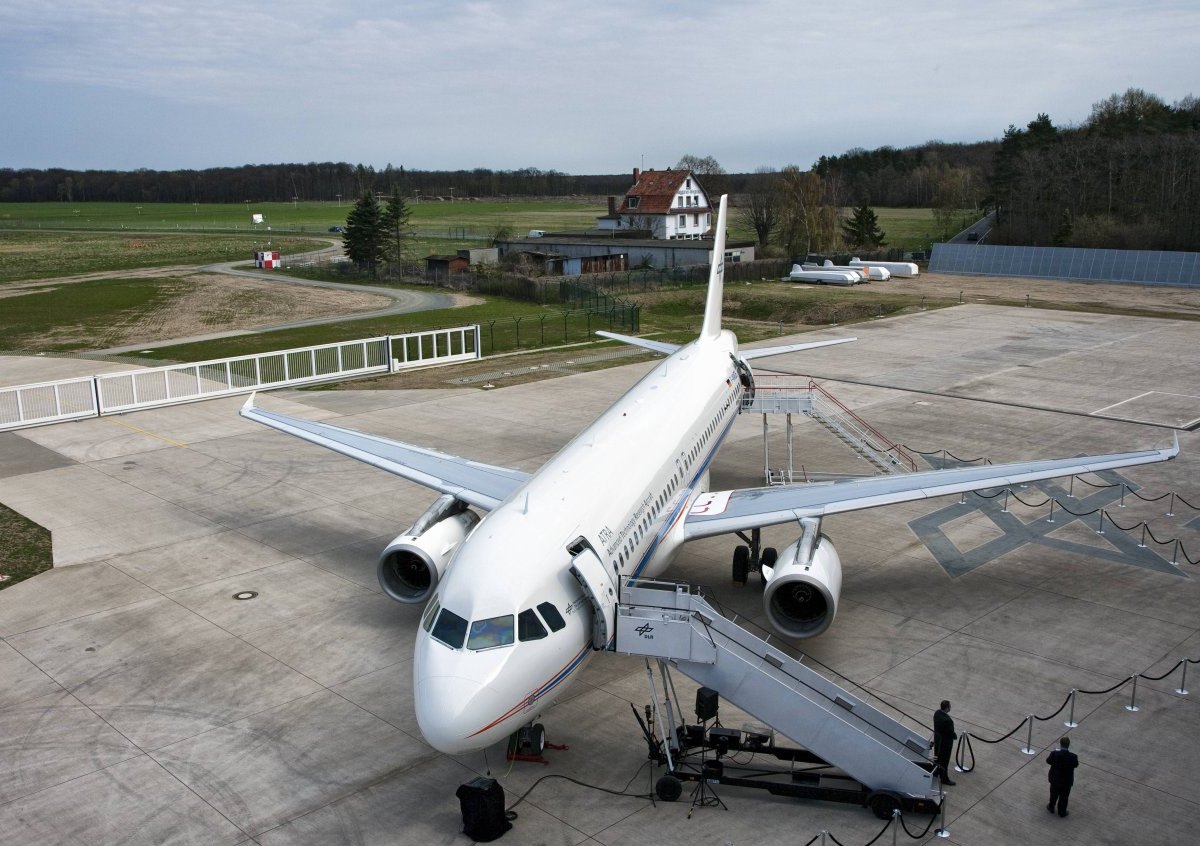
(579, 86)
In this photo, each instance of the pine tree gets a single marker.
(862, 229)
(364, 235)
(396, 231)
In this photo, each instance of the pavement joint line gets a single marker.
(139, 429)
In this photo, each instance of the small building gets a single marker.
(667, 204)
(439, 267)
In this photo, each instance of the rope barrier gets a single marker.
(1046, 501)
(1119, 684)
(964, 742)
(904, 826)
(1056, 713)
(1164, 675)
(816, 837)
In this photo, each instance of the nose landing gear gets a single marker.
(528, 743)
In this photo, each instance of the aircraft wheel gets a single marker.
(668, 788)
(741, 564)
(769, 556)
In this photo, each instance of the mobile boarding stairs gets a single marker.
(888, 765)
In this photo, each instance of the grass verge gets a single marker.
(24, 548)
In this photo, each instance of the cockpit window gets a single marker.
(450, 629)
(430, 613)
(553, 619)
(529, 627)
(495, 631)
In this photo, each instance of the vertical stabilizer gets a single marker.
(716, 278)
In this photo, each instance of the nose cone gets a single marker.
(457, 715)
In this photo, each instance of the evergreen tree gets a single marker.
(397, 234)
(862, 229)
(364, 235)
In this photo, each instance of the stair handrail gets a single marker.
(902, 455)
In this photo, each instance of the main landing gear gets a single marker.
(752, 557)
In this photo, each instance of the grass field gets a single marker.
(24, 548)
(43, 255)
(435, 222)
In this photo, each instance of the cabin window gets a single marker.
(450, 629)
(550, 614)
(529, 627)
(430, 613)
(492, 632)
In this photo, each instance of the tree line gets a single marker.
(321, 181)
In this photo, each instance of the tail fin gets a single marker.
(716, 278)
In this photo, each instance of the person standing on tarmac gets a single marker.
(1062, 763)
(943, 741)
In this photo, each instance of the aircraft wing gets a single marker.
(719, 512)
(482, 485)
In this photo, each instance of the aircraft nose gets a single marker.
(452, 711)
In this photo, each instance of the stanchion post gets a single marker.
(1029, 750)
(1142, 545)
(1121, 504)
(895, 825)
(1100, 530)
(1004, 510)
(1132, 706)
(1070, 723)
(942, 831)
(823, 832)
(1050, 519)
(1071, 489)
(1182, 689)
(1171, 509)
(1175, 554)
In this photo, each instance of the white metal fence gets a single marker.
(47, 402)
(112, 393)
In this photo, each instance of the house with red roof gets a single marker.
(667, 204)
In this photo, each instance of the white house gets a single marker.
(670, 204)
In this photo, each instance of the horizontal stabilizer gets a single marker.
(763, 352)
(653, 346)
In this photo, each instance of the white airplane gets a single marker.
(519, 599)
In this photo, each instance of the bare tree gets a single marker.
(760, 206)
(710, 173)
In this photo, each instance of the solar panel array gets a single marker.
(1143, 267)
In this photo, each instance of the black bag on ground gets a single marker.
(482, 801)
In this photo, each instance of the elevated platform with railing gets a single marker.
(788, 397)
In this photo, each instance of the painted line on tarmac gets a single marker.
(147, 432)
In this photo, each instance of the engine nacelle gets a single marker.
(411, 565)
(801, 594)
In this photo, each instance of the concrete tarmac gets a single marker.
(141, 702)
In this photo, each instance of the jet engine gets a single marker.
(801, 593)
(410, 566)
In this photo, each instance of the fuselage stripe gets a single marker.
(540, 692)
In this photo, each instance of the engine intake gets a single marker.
(411, 565)
(802, 589)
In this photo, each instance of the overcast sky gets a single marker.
(582, 87)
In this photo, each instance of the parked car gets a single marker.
(972, 235)
(336, 229)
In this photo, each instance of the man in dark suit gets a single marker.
(1062, 763)
(943, 740)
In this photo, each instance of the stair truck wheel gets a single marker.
(668, 788)
(883, 803)
(741, 564)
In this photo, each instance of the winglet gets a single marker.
(248, 405)
(716, 277)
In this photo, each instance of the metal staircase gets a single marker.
(674, 623)
(815, 402)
